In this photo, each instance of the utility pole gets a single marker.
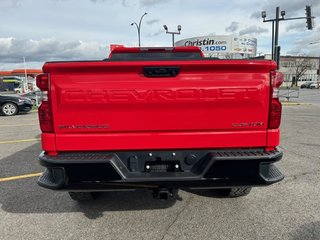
(275, 28)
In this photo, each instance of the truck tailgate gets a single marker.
(113, 106)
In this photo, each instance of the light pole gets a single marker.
(25, 84)
(139, 27)
(172, 33)
(275, 28)
(275, 49)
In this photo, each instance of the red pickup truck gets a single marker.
(159, 119)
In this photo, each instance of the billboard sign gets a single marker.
(244, 45)
(216, 45)
(209, 44)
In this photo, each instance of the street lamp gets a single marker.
(25, 82)
(139, 27)
(275, 50)
(172, 33)
(275, 28)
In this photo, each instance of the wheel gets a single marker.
(234, 192)
(82, 196)
(9, 109)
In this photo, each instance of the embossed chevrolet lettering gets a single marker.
(158, 95)
(248, 124)
(83, 126)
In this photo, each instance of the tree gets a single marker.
(300, 65)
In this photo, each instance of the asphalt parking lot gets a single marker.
(286, 210)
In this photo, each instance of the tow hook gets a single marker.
(164, 193)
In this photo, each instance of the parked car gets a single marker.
(314, 85)
(33, 96)
(12, 105)
(306, 84)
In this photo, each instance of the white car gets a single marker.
(314, 85)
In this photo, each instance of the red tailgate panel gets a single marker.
(112, 105)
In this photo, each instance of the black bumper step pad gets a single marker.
(243, 167)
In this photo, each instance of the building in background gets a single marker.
(223, 46)
(298, 69)
(15, 79)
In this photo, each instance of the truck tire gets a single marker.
(234, 192)
(81, 196)
(9, 109)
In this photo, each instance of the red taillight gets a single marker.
(44, 111)
(275, 105)
(275, 114)
(45, 117)
(276, 81)
(43, 82)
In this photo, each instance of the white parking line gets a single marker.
(18, 125)
(21, 140)
(6, 179)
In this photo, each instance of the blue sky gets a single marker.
(43, 30)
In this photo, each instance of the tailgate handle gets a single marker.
(161, 71)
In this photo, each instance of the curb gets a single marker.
(293, 103)
(290, 104)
